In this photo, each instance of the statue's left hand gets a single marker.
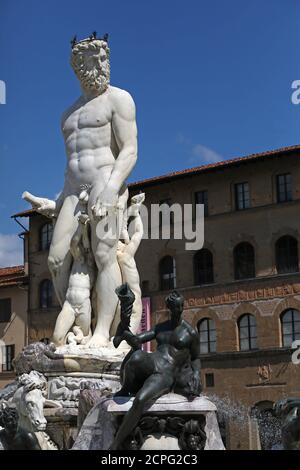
(106, 202)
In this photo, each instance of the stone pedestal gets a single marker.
(164, 424)
(68, 371)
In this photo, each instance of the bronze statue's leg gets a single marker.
(154, 387)
(136, 368)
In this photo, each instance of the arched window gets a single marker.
(203, 267)
(46, 232)
(207, 331)
(286, 249)
(167, 273)
(290, 326)
(244, 261)
(46, 293)
(247, 332)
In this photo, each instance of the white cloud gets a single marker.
(202, 154)
(11, 250)
(199, 154)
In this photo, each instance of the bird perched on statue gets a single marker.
(93, 35)
(73, 41)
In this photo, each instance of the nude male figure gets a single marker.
(101, 145)
(77, 307)
(125, 254)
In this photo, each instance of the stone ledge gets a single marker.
(171, 402)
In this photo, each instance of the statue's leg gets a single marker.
(154, 387)
(135, 370)
(64, 323)
(83, 319)
(60, 259)
(108, 279)
(104, 246)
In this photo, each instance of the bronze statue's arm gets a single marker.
(136, 340)
(147, 336)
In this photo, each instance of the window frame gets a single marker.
(7, 358)
(209, 379)
(49, 295)
(294, 333)
(286, 186)
(245, 201)
(45, 238)
(293, 267)
(249, 338)
(210, 328)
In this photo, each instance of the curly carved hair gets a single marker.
(33, 380)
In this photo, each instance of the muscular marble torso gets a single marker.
(90, 144)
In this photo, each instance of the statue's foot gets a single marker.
(98, 341)
(121, 393)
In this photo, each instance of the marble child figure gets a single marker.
(77, 308)
(125, 254)
(100, 136)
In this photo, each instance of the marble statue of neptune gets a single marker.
(100, 136)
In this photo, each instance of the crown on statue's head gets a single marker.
(92, 37)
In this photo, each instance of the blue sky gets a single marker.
(211, 80)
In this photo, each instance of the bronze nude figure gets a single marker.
(174, 366)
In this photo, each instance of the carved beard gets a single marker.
(93, 79)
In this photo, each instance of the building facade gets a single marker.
(13, 318)
(241, 290)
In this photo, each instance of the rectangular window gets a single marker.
(201, 197)
(168, 202)
(8, 354)
(209, 380)
(5, 310)
(284, 187)
(242, 196)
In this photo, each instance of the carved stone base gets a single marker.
(49, 360)
(171, 422)
(68, 371)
